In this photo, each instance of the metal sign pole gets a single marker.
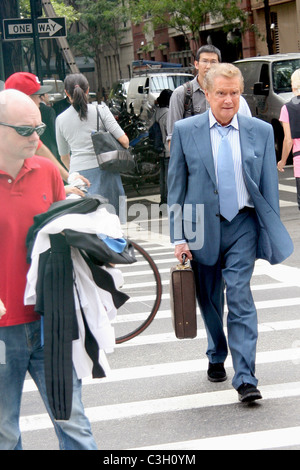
(36, 40)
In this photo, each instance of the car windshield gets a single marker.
(281, 72)
(170, 82)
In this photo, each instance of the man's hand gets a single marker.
(84, 180)
(73, 190)
(182, 249)
(76, 185)
(2, 309)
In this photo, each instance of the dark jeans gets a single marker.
(164, 167)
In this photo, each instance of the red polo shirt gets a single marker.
(36, 187)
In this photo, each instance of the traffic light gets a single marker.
(36, 8)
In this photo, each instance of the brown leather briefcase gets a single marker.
(183, 301)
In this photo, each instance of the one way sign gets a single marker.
(49, 28)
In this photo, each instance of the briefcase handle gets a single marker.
(185, 263)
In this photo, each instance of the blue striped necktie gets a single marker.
(226, 178)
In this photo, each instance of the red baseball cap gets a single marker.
(26, 82)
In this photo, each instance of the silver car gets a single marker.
(268, 87)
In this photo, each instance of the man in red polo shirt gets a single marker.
(28, 186)
(30, 84)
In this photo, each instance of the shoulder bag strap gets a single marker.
(99, 116)
(188, 97)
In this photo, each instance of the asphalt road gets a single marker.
(158, 397)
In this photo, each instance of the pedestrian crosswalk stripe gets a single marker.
(166, 296)
(140, 285)
(280, 277)
(289, 189)
(159, 338)
(163, 405)
(260, 440)
(182, 367)
(260, 305)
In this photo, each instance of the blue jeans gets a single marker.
(21, 351)
(109, 185)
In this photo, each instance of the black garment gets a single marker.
(55, 297)
(67, 206)
(97, 250)
(293, 108)
(55, 301)
(59, 322)
(49, 137)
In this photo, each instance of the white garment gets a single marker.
(97, 303)
(99, 312)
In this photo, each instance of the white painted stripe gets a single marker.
(287, 204)
(155, 249)
(259, 270)
(145, 298)
(260, 440)
(142, 273)
(153, 252)
(285, 187)
(157, 261)
(139, 285)
(173, 261)
(163, 314)
(181, 367)
(162, 405)
(281, 272)
(144, 340)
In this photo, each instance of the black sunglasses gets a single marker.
(26, 131)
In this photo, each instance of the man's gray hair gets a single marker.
(223, 70)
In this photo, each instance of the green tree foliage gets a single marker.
(188, 16)
(60, 8)
(47, 46)
(101, 26)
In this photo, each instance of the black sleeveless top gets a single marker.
(293, 108)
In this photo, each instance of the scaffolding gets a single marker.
(62, 42)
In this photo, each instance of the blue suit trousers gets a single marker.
(233, 272)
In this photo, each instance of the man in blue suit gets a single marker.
(223, 230)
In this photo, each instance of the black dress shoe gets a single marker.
(248, 393)
(216, 372)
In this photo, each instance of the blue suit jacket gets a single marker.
(193, 194)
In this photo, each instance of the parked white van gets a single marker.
(268, 87)
(144, 89)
